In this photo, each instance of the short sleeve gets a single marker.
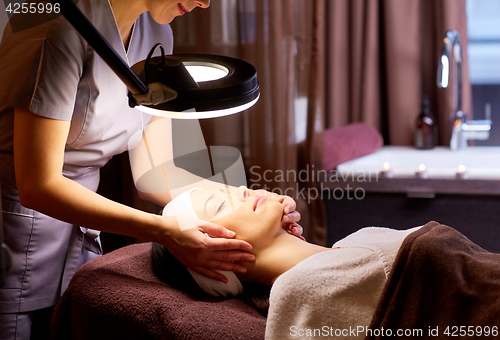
(45, 64)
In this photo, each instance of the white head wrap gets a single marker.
(183, 206)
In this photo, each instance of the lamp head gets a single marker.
(205, 86)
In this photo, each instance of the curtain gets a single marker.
(322, 64)
(284, 40)
(383, 56)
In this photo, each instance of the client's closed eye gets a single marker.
(216, 207)
(220, 206)
(213, 204)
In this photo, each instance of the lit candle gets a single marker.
(386, 171)
(421, 172)
(462, 173)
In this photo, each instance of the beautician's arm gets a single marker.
(38, 156)
(157, 143)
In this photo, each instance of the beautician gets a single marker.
(63, 115)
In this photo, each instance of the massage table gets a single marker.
(117, 296)
(440, 280)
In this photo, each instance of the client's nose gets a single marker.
(242, 193)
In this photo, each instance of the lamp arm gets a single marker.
(139, 92)
(101, 46)
(5, 255)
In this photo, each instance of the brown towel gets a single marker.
(440, 280)
(349, 142)
(117, 296)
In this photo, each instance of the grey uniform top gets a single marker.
(54, 73)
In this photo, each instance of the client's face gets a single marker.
(254, 218)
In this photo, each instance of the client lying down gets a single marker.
(312, 286)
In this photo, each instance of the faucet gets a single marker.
(462, 129)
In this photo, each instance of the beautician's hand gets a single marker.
(290, 215)
(203, 254)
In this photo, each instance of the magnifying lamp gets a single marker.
(186, 86)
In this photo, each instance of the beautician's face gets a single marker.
(254, 218)
(164, 11)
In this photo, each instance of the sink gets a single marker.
(481, 162)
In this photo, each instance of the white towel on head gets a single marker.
(182, 206)
(214, 287)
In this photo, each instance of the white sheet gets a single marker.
(334, 294)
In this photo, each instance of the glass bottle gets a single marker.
(425, 127)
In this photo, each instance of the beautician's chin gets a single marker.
(164, 19)
(167, 21)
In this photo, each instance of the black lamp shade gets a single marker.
(238, 87)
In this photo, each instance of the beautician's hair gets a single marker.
(169, 270)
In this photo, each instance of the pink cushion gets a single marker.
(349, 142)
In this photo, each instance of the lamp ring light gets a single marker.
(230, 86)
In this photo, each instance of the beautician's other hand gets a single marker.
(203, 254)
(290, 215)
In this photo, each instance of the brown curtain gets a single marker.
(383, 56)
(349, 60)
(284, 40)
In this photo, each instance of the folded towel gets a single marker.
(441, 281)
(182, 206)
(117, 296)
(339, 288)
(349, 142)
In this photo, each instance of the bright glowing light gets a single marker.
(421, 167)
(197, 114)
(445, 71)
(462, 173)
(206, 71)
(387, 166)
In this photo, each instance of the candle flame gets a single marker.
(386, 166)
(421, 167)
(461, 168)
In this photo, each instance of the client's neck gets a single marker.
(285, 252)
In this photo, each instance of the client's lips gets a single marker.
(257, 202)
